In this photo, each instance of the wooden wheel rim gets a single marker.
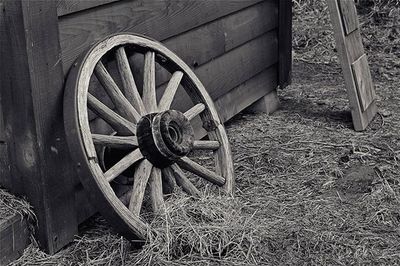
(82, 147)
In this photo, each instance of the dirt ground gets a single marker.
(310, 190)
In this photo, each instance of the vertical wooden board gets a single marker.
(5, 177)
(33, 106)
(285, 42)
(14, 238)
(2, 129)
(350, 49)
(3, 47)
(65, 7)
(363, 80)
(349, 15)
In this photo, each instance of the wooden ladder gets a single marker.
(357, 75)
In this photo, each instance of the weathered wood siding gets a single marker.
(227, 43)
(231, 45)
(4, 162)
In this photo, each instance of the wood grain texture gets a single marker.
(213, 39)
(206, 145)
(168, 179)
(170, 91)
(183, 181)
(159, 19)
(350, 48)
(142, 175)
(14, 238)
(242, 96)
(194, 111)
(38, 151)
(349, 15)
(247, 93)
(120, 124)
(123, 164)
(12, 184)
(201, 171)
(65, 7)
(5, 176)
(115, 142)
(363, 80)
(285, 42)
(123, 106)
(149, 83)
(130, 89)
(156, 192)
(2, 129)
(219, 79)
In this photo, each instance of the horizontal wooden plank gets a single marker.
(239, 98)
(14, 238)
(247, 93)
(159, 19)
(65, 7)
(226, 72)
(233, 68)
(353, 45)
(207, 42)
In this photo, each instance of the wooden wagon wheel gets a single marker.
(154, 140)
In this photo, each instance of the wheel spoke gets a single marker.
(194, 111)
(201, 171)
(130, 89)
(206, 145)
(149, 83)
(123, 164)
(170, 91)
(169, 182)
(116, 142)
(183, 181)
(121, 103)
(156, 193)
(141, 177)
(117, 122)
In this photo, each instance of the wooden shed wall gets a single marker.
(231, 45)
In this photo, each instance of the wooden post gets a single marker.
(33, 100)
(285, 42)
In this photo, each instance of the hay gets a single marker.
(11, 205)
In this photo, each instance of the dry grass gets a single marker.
(310, 190)
(11, 205)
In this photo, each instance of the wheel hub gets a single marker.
(165, 137)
